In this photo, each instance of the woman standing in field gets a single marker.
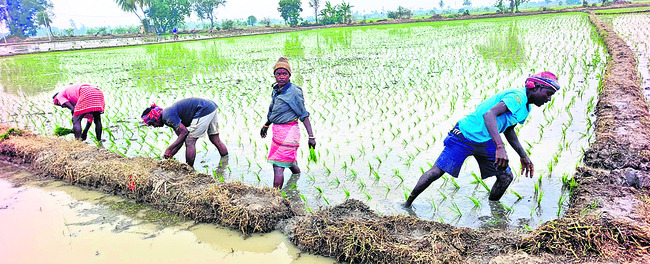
(83, 100)
(287, 107)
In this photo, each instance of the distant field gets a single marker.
(623, 10)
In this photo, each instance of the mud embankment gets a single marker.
(167, 185)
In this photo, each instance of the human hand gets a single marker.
(501, 159)
(312, 143)
(263, 131)
(526, 167)
(167, 154)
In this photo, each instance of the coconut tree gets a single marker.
(346, 8)
(315, 4)
(134, 6)
(329, 14)
(43, 19)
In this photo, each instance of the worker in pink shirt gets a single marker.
(83, 100)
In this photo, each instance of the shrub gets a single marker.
(228, 24)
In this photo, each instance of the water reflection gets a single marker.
(499, 217)
(504, 48)
(31, 74)
(293, 47)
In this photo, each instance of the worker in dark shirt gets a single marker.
(190, 118)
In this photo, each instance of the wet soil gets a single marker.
(47, 221)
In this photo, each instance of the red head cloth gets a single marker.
(547, 79)
(153, 115)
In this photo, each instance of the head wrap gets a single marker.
(546, 79)
(153, 115)
(55, 100)
(283, 63)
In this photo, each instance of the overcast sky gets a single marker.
(94, 13)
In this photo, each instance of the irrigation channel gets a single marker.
(382, 98)
(69, 224)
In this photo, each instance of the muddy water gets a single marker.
(52, 222)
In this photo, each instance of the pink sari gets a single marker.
(284, 147)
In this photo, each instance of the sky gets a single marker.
(96, 13)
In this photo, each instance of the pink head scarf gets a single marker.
(153, 115)
(547, 79)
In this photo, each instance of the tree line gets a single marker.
(24, 17)
(330, 14)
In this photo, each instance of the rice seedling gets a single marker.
(508, 208)
(325, 199)
(368, 196)
(444, 197)
(217, 175)
(61, 131)
(455, 209)
(434, 206)
(453, 181)
(475, 201)
(375, 174)
(398, 175)
(347, 193)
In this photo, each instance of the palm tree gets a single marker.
(347, 12)
(328, 13)
(315, 4)
(132, 6)
(43, 19)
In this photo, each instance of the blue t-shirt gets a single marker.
(473, 126)
(287, 105)
(185, 110)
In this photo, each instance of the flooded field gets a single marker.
(44, 221)
(381, 98)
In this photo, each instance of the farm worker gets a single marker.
(83, 100)
(190, 118)
(478, 135)
(287, 107)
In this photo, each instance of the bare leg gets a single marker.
(223, 151)
(500, 186)
(97, 118)
(76, 126)
(425, 180)
(84, 133)
(294, 169)
(278, 176)
(190, 150)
